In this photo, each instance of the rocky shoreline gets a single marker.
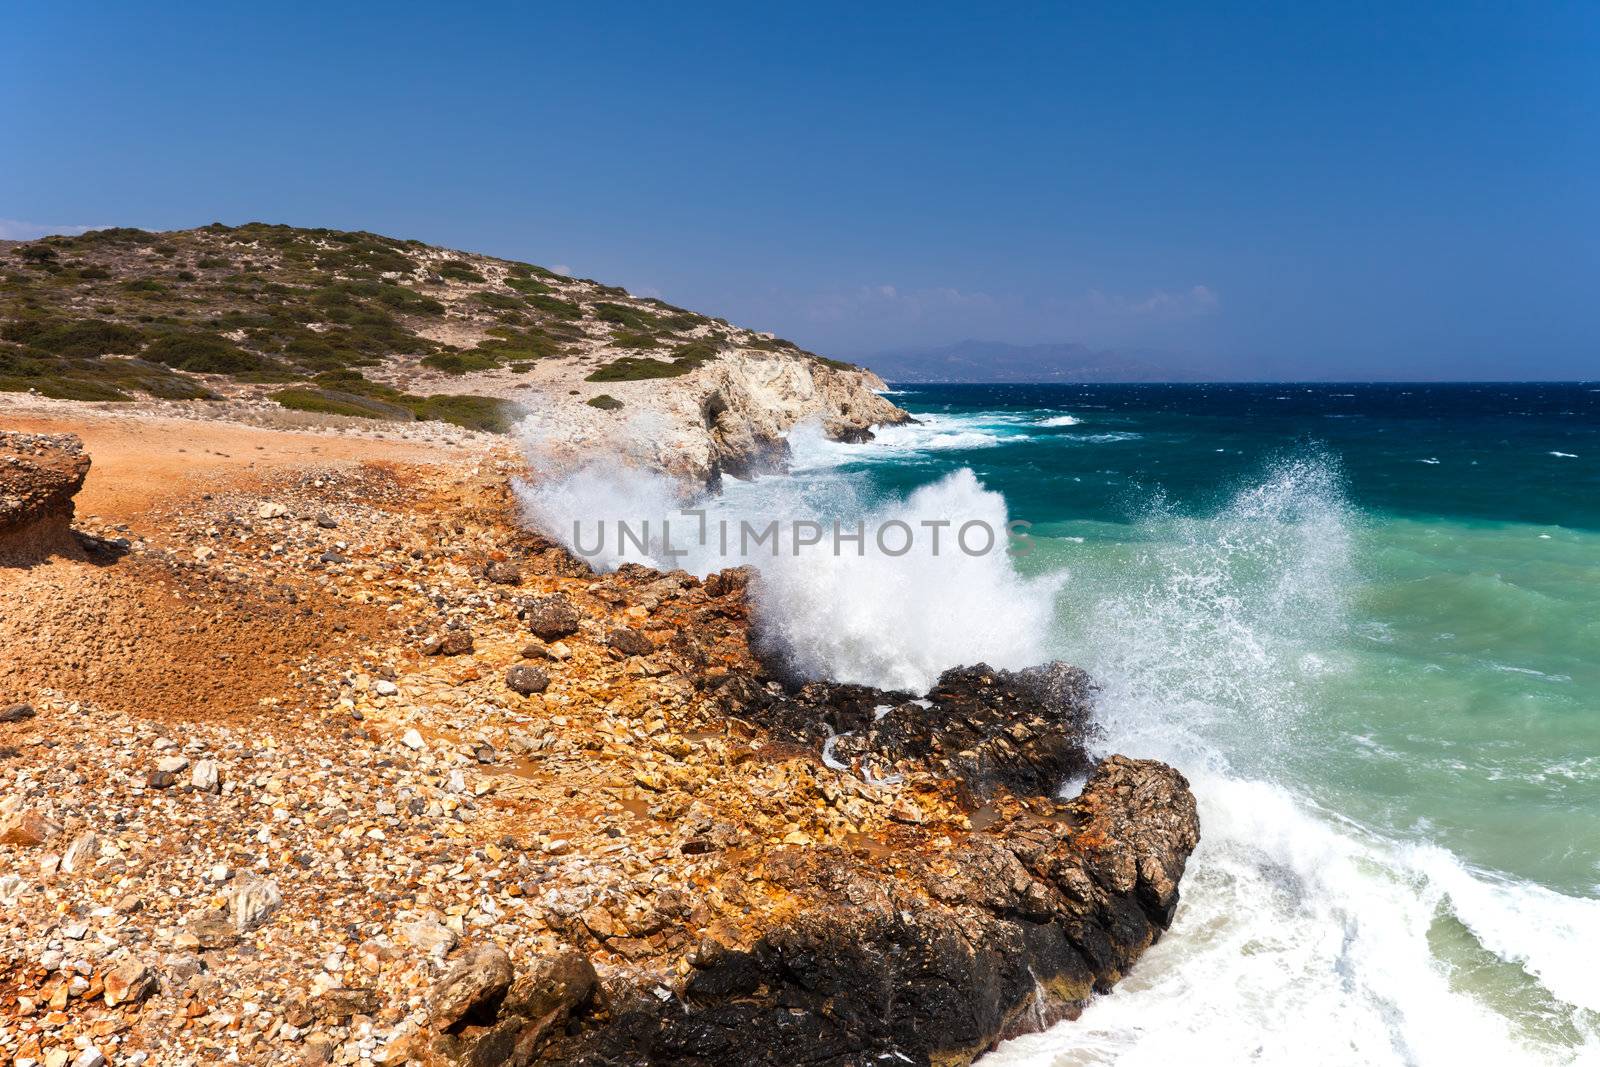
(335, 763)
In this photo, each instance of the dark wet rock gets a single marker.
(630, 642)
(551, 617)
(724, 582)
(526, 680)
(1025, 730)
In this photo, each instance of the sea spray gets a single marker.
(890, 613)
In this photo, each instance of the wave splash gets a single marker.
(866, 615)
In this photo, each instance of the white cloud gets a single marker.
(17, 230)
(1185, 303)
(561, 268)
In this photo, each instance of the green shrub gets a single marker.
(145, 285)
(698, 352)
(486, 413)
(528, 286)
(456, 270)
(493, 299)
(625, 339)
(461, 362)
(638, 368)
(605, 402)
(334, 402)
(89, 337)
(556, 307)
(202, 353)
(213, 262)
(93, 273)
(635, 319)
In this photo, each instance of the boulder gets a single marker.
(551, 617)
(630, 642)
(526, 680)
(471, 991)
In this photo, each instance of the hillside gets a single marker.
(995, 361)
(365, 326)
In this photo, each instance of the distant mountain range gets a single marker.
(995, 361)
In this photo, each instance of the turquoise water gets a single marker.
(1366, 619)
(1363, 620)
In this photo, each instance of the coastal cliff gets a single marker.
(429, 790)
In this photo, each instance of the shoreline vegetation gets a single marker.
(312, 752)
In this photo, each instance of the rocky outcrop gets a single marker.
(931, 957)
(1000, 908)
(39, 476)
(750, 403)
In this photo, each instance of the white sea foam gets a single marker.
(1060, 420)
(1565, 455)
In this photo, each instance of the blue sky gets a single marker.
(1340, 190)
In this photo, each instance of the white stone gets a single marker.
(81, 854)
(413, 740)
(207, 776)
(251, 900)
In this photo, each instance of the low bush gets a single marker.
(486, 413)
(202, 353)
(463, 362)
(635, 319)
(458, 271)
(638, 369)
(335, 402)
(556, 307)
(605, 402)
(89, 337)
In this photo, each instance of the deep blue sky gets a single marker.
(1295, 190)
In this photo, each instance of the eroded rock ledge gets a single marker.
(39, 476)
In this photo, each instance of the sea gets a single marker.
(1362, 619)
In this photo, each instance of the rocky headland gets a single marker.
(359, 331)
(310, 753)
